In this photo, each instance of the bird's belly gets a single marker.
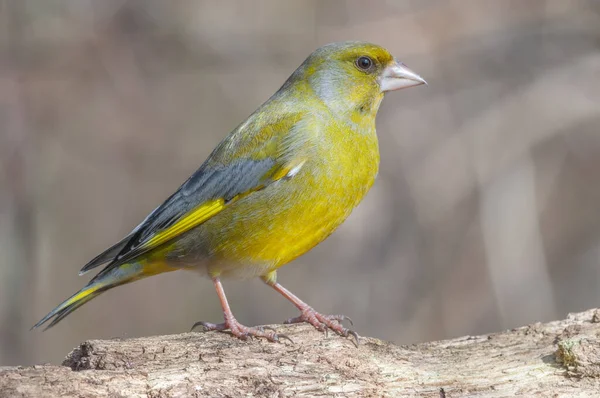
(287, 234)
(272, 233)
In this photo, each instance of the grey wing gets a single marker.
(207, 183)
(106, 256)
(113, 251)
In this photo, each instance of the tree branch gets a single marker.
(561, 358)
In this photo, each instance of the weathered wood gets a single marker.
(559, 358)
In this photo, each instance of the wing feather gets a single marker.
(226, 176)
(106, 256)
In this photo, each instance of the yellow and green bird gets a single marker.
(276, 186)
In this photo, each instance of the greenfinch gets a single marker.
(275, 187)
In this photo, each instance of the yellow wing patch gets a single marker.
(208, 209)
(195, 217)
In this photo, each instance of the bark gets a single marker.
(560, 358)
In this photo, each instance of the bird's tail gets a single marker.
(104, 281)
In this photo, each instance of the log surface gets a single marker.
(560, 358)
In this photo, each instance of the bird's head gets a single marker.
(351, 78)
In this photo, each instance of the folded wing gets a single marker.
(266, 156)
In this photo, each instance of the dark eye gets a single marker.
(364, 63)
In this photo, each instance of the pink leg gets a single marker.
(237, 329)
(309, 315)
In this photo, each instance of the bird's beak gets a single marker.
(397, 75)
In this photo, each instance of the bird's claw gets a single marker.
(276, 336)
(207, 326)
(243, 332)
(355, 339)
(283, 336)
(341, 319)
(324, 323)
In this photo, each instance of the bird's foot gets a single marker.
(325, 322)
(243, 332)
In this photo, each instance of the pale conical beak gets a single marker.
(397, 76)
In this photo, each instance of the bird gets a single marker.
(275, 187)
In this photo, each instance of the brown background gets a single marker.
(486, 214)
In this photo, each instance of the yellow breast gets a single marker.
(274, 226)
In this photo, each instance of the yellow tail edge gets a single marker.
(71, 304)
(120, 275)
(104, 281)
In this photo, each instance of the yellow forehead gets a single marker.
(349, 51)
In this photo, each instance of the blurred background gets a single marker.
(485, 216)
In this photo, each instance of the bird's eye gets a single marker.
(364, 63)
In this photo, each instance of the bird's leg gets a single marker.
(237, 329)
(309, 315)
